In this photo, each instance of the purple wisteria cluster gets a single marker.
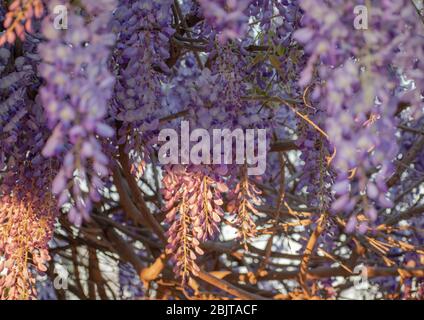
(87, 86)
(227, 17)
(75, 95)
(27, 208)
(139, 61)
(357, 86)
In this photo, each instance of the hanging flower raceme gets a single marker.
(356, 84)
(245, 198)
(75, 96)
(139, 60)
(194, 214)
(18, 19)
(26, 227)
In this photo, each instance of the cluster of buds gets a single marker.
(25, 231)
(19, 19)
(194, 213)
(244, 198)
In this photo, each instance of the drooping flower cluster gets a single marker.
(19, 19)
(245, 197)
(15, 105)
(140, 63)
(75, 97)
(357, 87)
(26, 225)
(194, 212)
(27, 208)
(317, 175)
